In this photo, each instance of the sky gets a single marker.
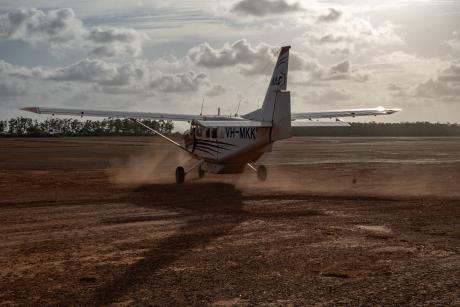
(172, 56)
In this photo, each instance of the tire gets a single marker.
(180, 175)
(200, 172)
(261, 173)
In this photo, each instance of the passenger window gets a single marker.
(214, 133)
(207, 132)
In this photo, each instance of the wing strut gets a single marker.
(252, 167)
(162, 135)
(194, 166)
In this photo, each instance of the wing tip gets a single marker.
(384, 110)
(393, 110)
(31, 109)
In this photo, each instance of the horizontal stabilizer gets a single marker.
(319, 124)
(232, 123)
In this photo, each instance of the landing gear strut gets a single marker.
(261, 173)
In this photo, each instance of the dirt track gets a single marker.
(351, 221)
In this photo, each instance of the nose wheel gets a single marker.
(200, 172)
(261, 173)
(181, 172)
(180, 175)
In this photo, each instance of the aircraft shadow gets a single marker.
(207, 211)
(221, 201)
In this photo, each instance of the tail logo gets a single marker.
(279, 80)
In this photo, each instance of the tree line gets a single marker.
(383, 129)
(23, 126)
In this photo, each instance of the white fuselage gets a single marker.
(227, 149)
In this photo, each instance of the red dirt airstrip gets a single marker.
(340, 221)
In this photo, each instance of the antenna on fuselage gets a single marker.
(202, 103)
(238, 108)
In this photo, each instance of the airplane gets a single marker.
(221, 144)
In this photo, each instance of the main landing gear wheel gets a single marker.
(261, 173)
(200, 172)
(180, 175)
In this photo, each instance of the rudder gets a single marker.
(281, 117)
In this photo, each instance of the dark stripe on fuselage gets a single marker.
(210, 144)
(204, 150)
(215, 142)
(207, 148)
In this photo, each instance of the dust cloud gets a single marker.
(151, 167)
(157, 164)
(356, 179)
(353, 179)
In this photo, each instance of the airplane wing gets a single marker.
(190, 117)
(115, 114)
(344, 113)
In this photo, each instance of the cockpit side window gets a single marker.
(207, 132)
(199, 131)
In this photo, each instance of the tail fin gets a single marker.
(278, 83)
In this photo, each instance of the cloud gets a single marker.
(61, 29)
(399, 90)
(265, 7)
(110, 42)
(327, 97)
(341, 71)
(437, 89)
(94, 71)
(58, 27)
(249, 59)
(113, 78)
(341, 68)
(216, 90)
(9, 89)
(451, 73)
(445, 85)
(185, 82)
(350, 35)
(99, 72)
(240, 52)
(332, 16)
(8, 70)
(454, 43)
(394, 87)
(396, 59)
